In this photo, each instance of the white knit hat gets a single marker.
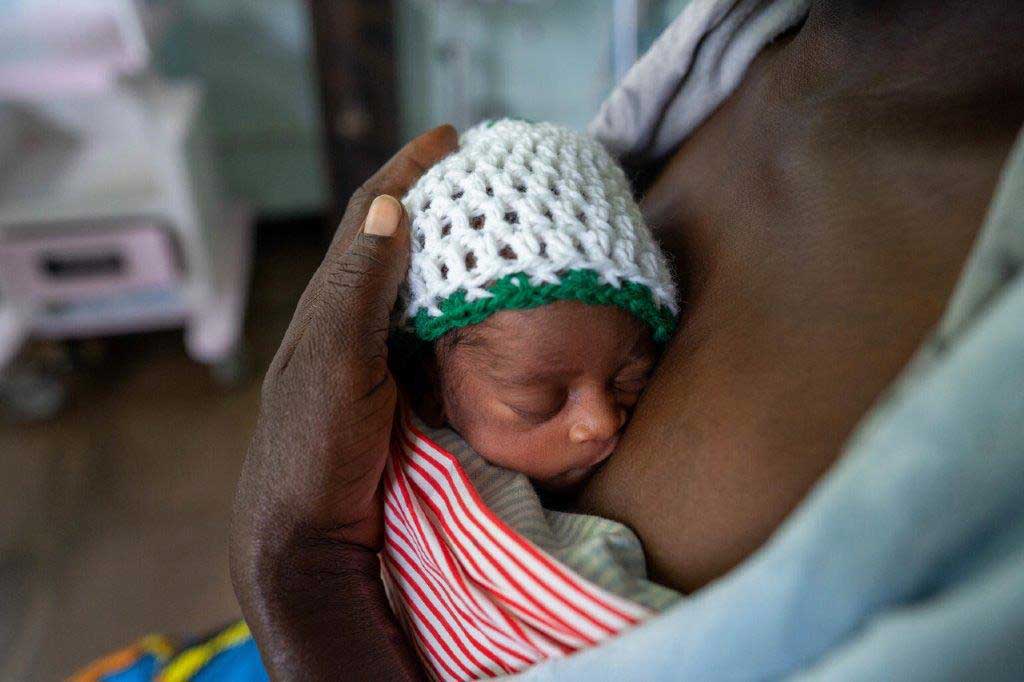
(525, 214)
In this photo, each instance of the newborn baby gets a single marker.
(542, 293)
(536, 301)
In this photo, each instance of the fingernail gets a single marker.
(383, 217)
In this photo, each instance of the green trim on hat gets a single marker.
(514, 292)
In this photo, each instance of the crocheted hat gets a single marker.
(522, 215)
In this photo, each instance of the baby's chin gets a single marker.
(567, 481)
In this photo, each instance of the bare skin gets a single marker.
(861, 189)
(546, 391)
(821, 215)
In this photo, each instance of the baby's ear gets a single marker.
(414, 366)
(432, 412)
(431, 401)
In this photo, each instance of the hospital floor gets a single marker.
(115, 514)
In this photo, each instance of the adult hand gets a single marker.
(308, 511)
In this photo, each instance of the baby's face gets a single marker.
(546, 391)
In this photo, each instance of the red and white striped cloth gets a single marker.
(477, 598)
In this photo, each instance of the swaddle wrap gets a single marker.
(486, 581)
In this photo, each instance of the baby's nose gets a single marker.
(600, 418)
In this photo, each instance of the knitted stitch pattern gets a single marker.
(522, 215)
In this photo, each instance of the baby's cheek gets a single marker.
(532, 453)
(495, 434)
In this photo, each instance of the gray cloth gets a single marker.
(693, 66)
(604, 552)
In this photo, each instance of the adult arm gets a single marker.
(308, 513)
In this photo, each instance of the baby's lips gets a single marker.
(571, 477)
(602, 456)
(606, 453)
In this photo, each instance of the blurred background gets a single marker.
(170, 173)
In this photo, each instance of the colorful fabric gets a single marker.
(522, 215)
(138, 661)
(484, 580)
(229, 655)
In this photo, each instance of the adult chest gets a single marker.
(817, 243)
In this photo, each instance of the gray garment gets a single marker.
(693, 66)
(604, 552)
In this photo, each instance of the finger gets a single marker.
(357, 291)
(414, 159)
(320, 299)
(395, 178)
(368, 276)
(363, 272)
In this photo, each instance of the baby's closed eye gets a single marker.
(534, 415)
(631, 384)
(536, 407)
(634, 376)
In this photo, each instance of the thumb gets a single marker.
(362, 283)
(345, 310)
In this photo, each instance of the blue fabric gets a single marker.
(240, 663)
(237, 664)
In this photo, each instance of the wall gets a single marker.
(539, 60)
(255, 59)
(459, 61)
